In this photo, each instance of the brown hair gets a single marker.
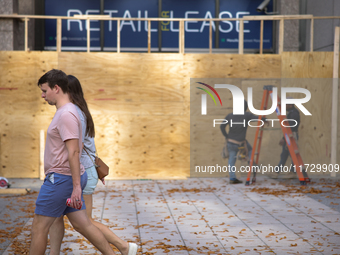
(77, 97)
(54, 77)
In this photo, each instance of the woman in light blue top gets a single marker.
(87, 160)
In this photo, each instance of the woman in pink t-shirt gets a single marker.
(87, 160)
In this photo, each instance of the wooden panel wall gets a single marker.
(140, 103)
(22, 113)
(307, 65)
(315, 132)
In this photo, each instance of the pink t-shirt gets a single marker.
(64, 126)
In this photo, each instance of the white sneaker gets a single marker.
(133, 249)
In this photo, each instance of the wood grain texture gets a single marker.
(314, 131)
(207, 141)
(141, 106)
(232, 66)
(307, 64)
(14, 191)
(23, 111)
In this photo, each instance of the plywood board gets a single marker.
(232, 66)
(131, 98)
(314, 131)
(207, 141)
(21, 107)
(141, 106)
(142, 144)
(307, 65)
(14, 191)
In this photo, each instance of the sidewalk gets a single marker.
(210, 216)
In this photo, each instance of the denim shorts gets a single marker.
(92, 180)
(54, 192)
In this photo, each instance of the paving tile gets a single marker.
(296, 250)
(149, 234)
(288, 210)
(328, 250)
(200, 235)
(222, 215)
(156, 228)
(141, 211)
(193, 225)
(333, 226)
(152, 205)
(284, 241)
(229, 221)
(294, 219)
(175, 217)
(310, 230)
(267, 229)
(114, 215)
(188, 215)
(329, 218)
(174, 251)
(204, 246)
(313, 211)
(166, 219)
(234, 233)
(248, 250)
(182, 207)
(160, 248)
(127, 235)
(209, 207)
(242, 242)
(258, 219)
